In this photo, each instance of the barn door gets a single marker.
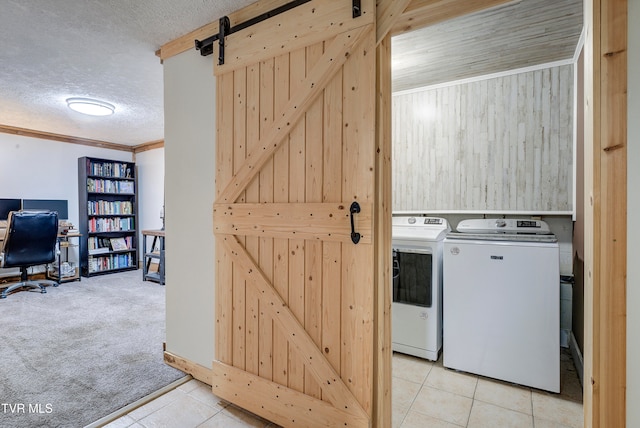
(295, 189)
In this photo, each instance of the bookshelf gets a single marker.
(108, 216)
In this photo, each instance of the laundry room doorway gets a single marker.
(594, 401)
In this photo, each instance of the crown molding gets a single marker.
(63, 138)
(157, 144)
(23, 132)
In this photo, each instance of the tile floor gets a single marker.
(425, 394)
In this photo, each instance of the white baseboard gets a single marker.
(577, 358)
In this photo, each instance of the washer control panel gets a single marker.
(416, 228)
(419, 221)
(503, 225)
(433, 220)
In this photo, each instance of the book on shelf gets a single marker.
(119, 244)
(98, 185)
(126, 187)
(100, 250)
(109, 207)
(110, 169)
(110, 262)
(116, 224)
(98, 245)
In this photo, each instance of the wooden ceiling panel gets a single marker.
(516, 35)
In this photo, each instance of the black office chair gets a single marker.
(30, 240)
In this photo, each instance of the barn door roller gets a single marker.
(357, 11)
(206, 46)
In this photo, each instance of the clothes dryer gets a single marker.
(417, 285)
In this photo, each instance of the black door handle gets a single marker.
(355, 236)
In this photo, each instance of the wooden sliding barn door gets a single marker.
(295, 148)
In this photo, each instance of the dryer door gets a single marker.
(413, 277)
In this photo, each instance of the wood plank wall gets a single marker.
(504, 144)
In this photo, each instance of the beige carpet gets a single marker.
(81, 351)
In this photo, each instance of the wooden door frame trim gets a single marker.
(382, 403)
(605, 212)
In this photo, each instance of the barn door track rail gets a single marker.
(206, 46)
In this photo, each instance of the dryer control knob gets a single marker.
(501, 223)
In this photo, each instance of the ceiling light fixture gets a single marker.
(90, 106)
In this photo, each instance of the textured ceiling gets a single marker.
(51, 50)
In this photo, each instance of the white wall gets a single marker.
(189, 91)
(633, 212)
(33, 168)
(150, 166)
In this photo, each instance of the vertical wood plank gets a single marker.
(537, 139)
(482, 149)
(547, 170)
(263, 247)
(297, 186)
(497, 141)
(313, 193)
(224, 267)
(281, 246)
(332, 192)
(493, 182)
(457, 155)
(513, 148)
(562, 95)
(240, 151)
(529, 136)
(359, 165)
(253, 135)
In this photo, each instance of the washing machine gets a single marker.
(417, 285)
(501, 301)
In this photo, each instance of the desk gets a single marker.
(153, 255)
(6, 272)
(3, 229)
